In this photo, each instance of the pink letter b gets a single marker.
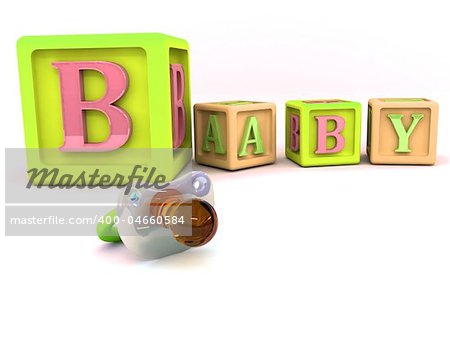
(178, 110)
(294, 133)
(323, 134)
(74, 106)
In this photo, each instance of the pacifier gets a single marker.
(157, 222)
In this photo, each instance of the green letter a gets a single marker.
(403, 135)
(213, 135)
(251, 126)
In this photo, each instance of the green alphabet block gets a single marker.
(323, 132)
(159, 112)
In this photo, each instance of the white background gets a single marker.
(340, 251)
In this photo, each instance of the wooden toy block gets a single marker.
(235, 135)
(402, 131)
(87, 96)
(323, 132)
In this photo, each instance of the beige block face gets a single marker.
(419, 141)
(201, 127)
(266, 123)
(384, 140)
(232, 118)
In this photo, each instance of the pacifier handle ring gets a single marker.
(204, 183)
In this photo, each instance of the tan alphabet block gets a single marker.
(402, 131)
(235, 135)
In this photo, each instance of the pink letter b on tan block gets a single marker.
(74, 105)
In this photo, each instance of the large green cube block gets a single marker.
(323, 132)
(146, 59)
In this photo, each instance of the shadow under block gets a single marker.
(402, 131)
(148, 61)
(323, 132)
(235, 135)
